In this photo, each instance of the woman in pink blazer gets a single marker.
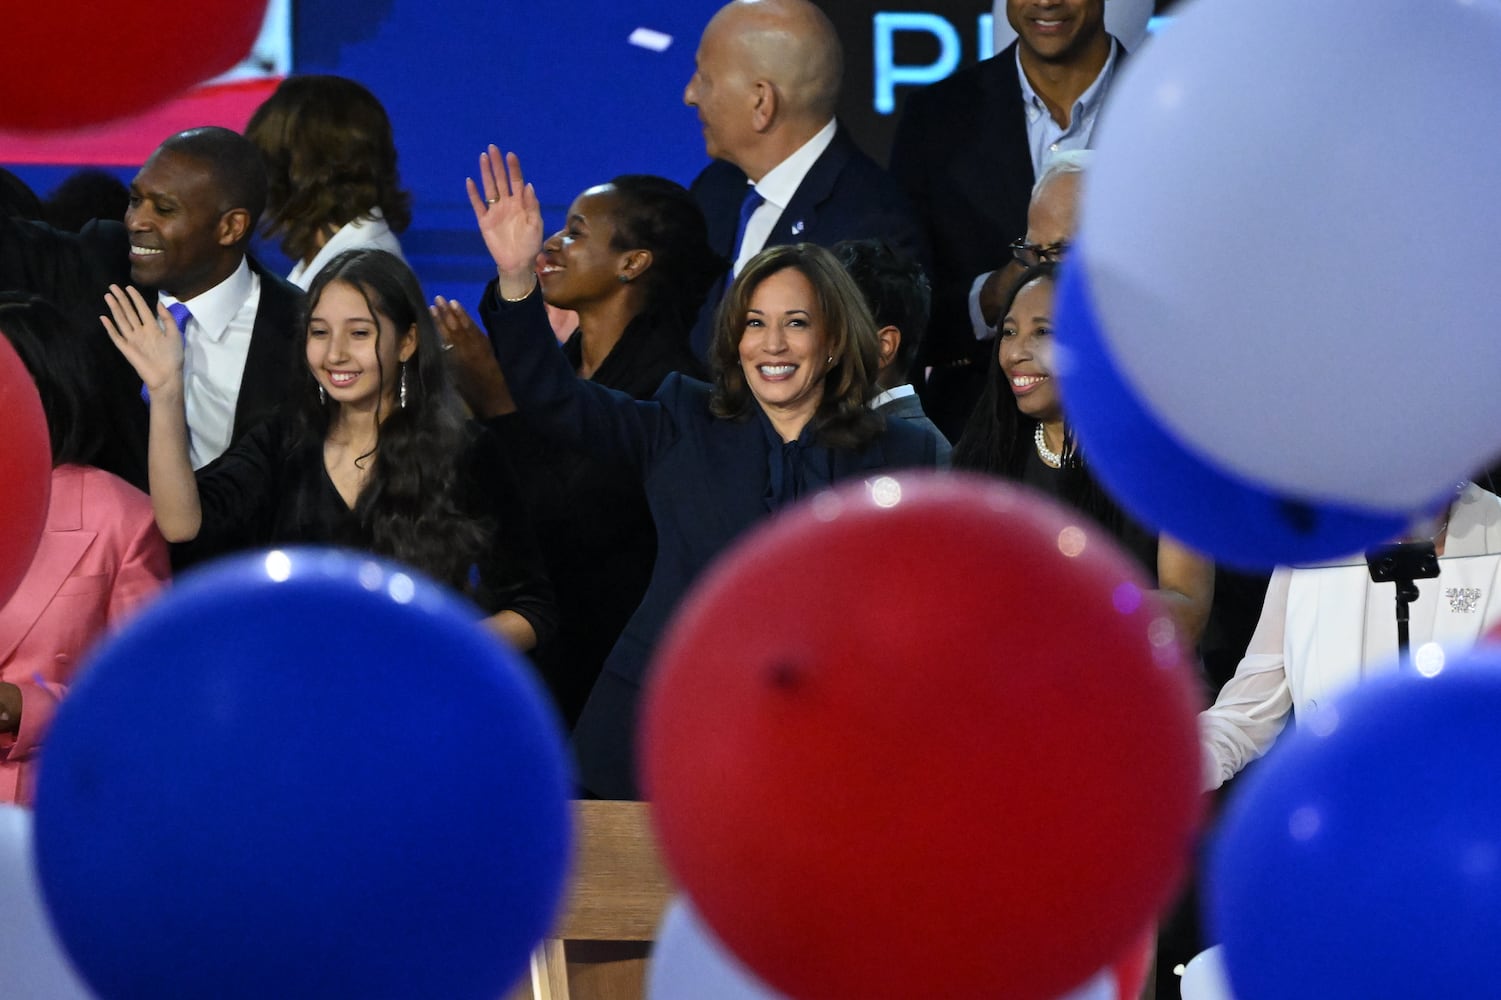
(100, 556)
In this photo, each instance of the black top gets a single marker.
(1135, 539)
(267, 491)
(592, 522)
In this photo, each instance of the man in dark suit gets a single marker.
(194, 206)
(897, 292)
(765, 86)
(967, 152)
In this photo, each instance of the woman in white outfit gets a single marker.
(331, 171)
(1324, 629)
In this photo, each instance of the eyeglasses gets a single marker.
(1032, 254)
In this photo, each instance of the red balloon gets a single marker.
(25, 470)
(70, 63)
(925, 736)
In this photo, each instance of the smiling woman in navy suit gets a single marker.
(793, 358)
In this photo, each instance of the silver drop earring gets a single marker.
(401, 398)
(322, 397)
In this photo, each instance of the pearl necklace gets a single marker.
(1050, 458)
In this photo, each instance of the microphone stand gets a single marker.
(1403, 564)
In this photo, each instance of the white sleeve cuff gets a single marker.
(983, 330)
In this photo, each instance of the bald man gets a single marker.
(765, 85)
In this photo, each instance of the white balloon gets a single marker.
(1101, 987)
(1204, 977)
(1290, 234)
(689, 963)
(32, 963)
(1125, 19)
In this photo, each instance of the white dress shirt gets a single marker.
(894, 393)
(369, 232)
(215, 345)
(777, 187)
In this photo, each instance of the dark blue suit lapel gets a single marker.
(799, 220)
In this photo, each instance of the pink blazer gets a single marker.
(100, 559)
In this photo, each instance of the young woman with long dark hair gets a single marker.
(373, 451)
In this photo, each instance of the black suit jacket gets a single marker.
(273, 357)
(75, 270)
(275, 354)
(962, 155)
(707, 480)
(844, 196)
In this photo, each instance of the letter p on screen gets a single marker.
(889, 76)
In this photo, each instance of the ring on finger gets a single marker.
(491, 201)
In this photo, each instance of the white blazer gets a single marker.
(368, 232)
(1325, 628)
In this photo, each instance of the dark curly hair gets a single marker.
(410, 508)
(329, 155)
(897, 291)
(999, 437)
(843, 418)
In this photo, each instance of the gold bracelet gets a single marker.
(519, 298)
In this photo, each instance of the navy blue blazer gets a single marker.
(909, 408)
(707, 480)
(845, 196)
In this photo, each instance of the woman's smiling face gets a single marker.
(353, 351)
(1026, 351)
(784, 350)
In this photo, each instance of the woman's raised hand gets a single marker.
(475, 370)
(152, 344)
(509, 218)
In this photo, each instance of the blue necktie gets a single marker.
(180, 315)
(753, 201)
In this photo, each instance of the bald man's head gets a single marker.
(767, 79)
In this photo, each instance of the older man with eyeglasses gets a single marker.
(1052, 217)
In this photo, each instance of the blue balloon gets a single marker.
(1363, 856)
(1169, 487)
(303, 773)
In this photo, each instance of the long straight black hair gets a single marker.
(999, 437)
